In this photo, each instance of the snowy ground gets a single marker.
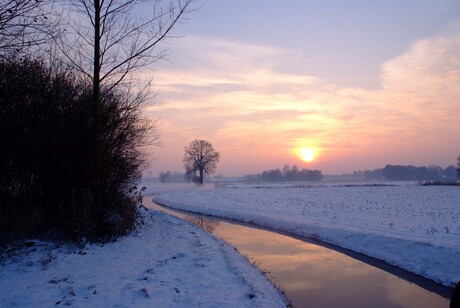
(416, 228)
(166, 263)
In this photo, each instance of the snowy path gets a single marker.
(167, 263)
(415, 228)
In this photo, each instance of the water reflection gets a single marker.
(315, 276)
(205, 224)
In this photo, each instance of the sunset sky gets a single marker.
(355, 84)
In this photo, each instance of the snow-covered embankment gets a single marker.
(166, 263)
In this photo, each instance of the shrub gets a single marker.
(59, 169)
(439, 183)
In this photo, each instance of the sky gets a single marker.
(353, 85)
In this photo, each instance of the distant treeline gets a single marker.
(397, 172)
(170, 177)
(173, 177)
(293, 174)
(403, 173)
(287, 174)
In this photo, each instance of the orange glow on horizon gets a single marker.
(259, 116)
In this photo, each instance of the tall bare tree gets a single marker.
(108, 40)
(200, 157)
(26, 23)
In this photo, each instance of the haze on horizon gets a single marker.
(334, 85)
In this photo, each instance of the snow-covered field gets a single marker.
(416, 228)
(166, 263)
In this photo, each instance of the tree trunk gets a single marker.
(201, 176)
(97, 93)
(97, 52)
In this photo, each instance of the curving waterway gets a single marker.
(315, 274)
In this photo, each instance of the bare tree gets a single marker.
(200, 157)
(26, 23)
(108, 40)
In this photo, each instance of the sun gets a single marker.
(307, 154)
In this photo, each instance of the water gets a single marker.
(316, 276)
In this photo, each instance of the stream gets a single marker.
(316, 274)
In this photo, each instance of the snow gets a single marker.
(413, 227)
(167, 262)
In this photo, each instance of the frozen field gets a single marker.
(416, 228)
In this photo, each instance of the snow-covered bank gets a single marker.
(415, 228)
(166, 263)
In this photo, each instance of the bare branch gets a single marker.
(27, 23)
(130, 33)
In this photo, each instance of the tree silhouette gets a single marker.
(47, 155)
(200, 157)
(108, 41)
(163, 176)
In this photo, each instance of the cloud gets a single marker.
(423, 84)
(207, 62)
(429, 63)
(234, 94)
